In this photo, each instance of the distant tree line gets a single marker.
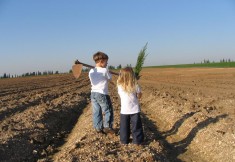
(38, 73)
(226, 60)
(117, 67)
(221, 61)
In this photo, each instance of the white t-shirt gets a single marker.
(129, 102)
(99, 80)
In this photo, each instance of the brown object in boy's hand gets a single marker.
(77, 69)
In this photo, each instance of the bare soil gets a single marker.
(187, 114)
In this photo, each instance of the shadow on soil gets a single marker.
(177, 148)
(181, 145)
(177, 125)
(19, 109)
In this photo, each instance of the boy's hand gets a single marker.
(77, 62)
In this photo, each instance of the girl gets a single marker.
(129, 92)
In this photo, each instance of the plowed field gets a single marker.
(188, 115)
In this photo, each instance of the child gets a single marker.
(129, 92)
(100, 99)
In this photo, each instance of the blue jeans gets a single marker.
(101, 105)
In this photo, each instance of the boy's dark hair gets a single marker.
(100, 56)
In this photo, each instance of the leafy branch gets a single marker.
(140, 61)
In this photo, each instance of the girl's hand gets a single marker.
(139, 95)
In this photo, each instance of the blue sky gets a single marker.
(39, 35)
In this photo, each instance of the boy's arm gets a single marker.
(89, 66)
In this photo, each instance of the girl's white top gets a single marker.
(129, 102)
(99, 80)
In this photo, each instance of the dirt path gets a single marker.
(84, 144)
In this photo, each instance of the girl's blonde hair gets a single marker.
(127, 80)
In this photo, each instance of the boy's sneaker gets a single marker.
(99, 131)
(109, 130)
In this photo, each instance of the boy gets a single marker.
(100, 99)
